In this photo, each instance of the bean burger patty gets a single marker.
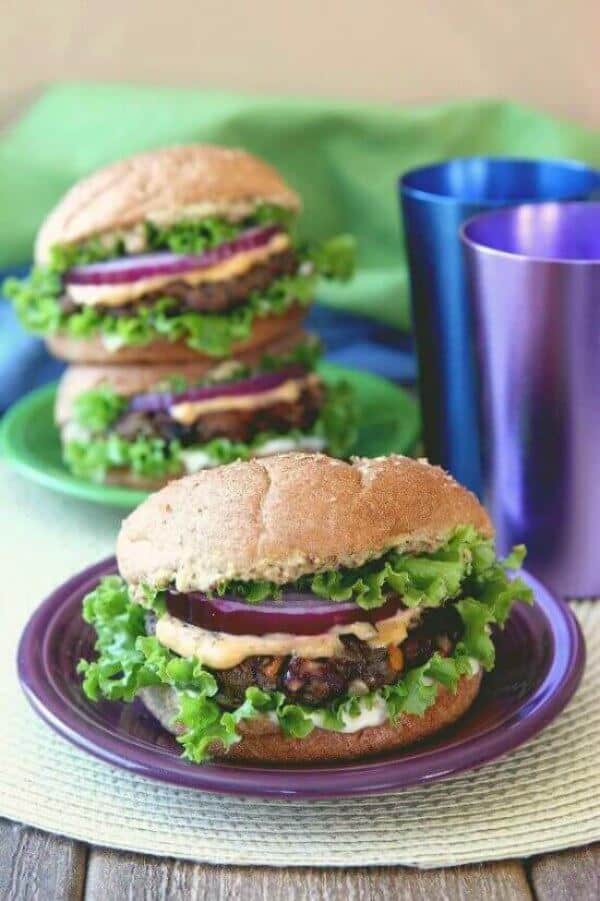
(206, 297)
(315, 682)
(236, 425)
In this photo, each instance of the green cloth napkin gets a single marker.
(343, 158)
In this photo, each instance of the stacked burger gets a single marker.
(301, 608)
(175, 286)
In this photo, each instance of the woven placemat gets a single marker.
(542, 797)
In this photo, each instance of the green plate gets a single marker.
(388, 420)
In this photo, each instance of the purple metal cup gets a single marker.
(535, 293)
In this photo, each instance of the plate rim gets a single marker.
(70, 485)
(348, 778)
(121, 497)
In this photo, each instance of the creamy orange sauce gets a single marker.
(188, 412)
(221, 650)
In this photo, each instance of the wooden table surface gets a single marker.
(36, 865)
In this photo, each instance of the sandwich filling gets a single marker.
(204, 282)
(419, 622)
(235, 413)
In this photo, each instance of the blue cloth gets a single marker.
(353, 341)
(24, 360)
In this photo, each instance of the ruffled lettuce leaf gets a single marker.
(35, 299)
(334, 259)
(129, 660)
(337, 422)
(251, 592)
(116, 674)
(146, 457)
(98, 408)
(194, 236)
(465, 564)
(477, 618)
(94, 250)
(516, 558)
(306, 354)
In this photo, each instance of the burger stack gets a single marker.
(174, 285)
(301, 609)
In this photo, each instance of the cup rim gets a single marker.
(566, 163)
(473, 244)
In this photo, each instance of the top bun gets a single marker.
(163, 186)
(285, 516)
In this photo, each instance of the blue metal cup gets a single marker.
(435, 201)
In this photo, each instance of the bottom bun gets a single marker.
(127, 479)
(263, 741)
(92, 350)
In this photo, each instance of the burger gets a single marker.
(171, 256)
(140, 426)
(302, 609)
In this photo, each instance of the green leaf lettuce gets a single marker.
(465, 563)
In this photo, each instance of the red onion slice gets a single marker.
(125, 270)
(295, 614)
(157, 402)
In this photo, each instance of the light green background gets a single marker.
(344, 158)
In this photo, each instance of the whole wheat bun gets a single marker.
(263, 742)
(265, 330)
(138, 378)
(128, 479)
(163, 186)
(285, 516)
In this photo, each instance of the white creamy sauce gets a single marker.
(72, 431)
(187, 412)
(221, 650)
(195, 460)
(113, 343)
(283, 445)
(114, 295)
(373, 713)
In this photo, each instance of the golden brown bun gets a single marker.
(137, 378)
(272, 746)
(91, 350)
(163, 186)
(285, 516)
(127, 479)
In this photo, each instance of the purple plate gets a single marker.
(540, 659)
